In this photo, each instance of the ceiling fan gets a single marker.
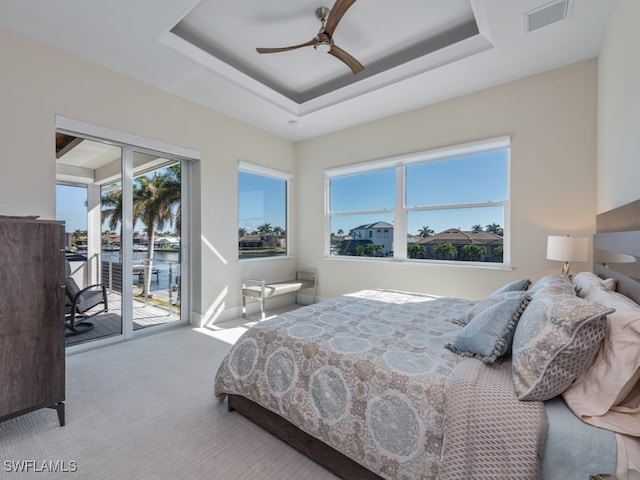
(323, 41)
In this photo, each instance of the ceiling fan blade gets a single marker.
(351, 62)
(284, 49)
(336, 13)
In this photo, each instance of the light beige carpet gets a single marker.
(145, 409)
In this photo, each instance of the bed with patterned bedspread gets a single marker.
(368, 374)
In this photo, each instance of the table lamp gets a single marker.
(567, 249)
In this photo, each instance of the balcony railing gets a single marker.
(164, 288)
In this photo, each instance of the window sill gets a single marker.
(486, 266)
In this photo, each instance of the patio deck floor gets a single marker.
(110, 323)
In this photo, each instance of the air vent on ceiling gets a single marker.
(547, 14)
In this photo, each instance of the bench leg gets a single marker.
(262, 307)
(244, 306)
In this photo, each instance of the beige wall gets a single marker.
(39, 82)
(619, 109)
(551, 118)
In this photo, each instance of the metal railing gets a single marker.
(164, 289)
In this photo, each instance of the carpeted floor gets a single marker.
(145, 409)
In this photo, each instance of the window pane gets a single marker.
(463, 234)
(474, 178)
(368, 235)
(367, 191)
(262, 207)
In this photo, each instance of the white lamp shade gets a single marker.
(568, 249)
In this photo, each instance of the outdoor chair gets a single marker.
(79, 301)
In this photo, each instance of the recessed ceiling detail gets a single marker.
(303, 80)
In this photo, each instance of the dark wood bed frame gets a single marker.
(624, 221)
(286, 431)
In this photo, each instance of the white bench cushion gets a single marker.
(277, 288)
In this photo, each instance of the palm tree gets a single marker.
(154, 199)
(474, 252)
(265, 228)
(415, 250)
(340, 233)
(446, 251)
(242, 232)
(476, 228)
(425, 232)
(112, 208)
(495, 228)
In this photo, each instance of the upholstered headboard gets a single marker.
(616, 248)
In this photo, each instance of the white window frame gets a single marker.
(401, 210)
(244, 166)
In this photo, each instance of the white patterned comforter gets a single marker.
(367, 373)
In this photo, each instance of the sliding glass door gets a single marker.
(123, 208)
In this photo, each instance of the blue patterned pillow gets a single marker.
(515, 286)
(552, 284)
(556, 339)
(490, 301)
(489, 334)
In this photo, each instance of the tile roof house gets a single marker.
(490, 243)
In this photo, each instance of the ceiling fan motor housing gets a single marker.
(322, 13)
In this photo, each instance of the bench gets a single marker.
(261, 289)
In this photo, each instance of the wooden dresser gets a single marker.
(32, 362)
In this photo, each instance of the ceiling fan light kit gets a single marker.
(322, 47)
(323, 41)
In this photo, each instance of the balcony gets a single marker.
(159, 306)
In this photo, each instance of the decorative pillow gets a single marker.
(553, 284)
(612, 299)
(515, 286)
(555, 341)
(490, 333)
(484, 304)
(586, 281)
(604, 394)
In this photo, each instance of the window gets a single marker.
(262, 212)
(447, 205)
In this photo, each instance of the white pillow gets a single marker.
(584, 282)
(612, 299)
(604, 394)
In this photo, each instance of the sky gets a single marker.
(474, 178)
(261, 200)
(71, 206)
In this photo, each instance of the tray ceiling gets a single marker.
(415, 52)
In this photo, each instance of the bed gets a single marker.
(401, 385)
